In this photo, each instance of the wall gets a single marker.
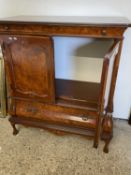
(85, 7)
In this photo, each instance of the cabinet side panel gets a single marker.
(110, 74)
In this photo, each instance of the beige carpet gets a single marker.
(38, 152)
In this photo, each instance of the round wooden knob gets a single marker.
(10, 38)
(6, 27)
(15, 38)
(103, 32)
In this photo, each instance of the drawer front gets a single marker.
(74, 30)
(40, 111)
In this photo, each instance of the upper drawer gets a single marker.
(61, 30)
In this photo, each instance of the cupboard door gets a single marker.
(29, 67)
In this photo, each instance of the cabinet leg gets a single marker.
(15, 131)
(106, 147)
(95, 145)
(107, 132)
(97, 134)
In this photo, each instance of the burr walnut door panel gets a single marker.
(29, 67)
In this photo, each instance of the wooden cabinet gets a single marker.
(36, 98)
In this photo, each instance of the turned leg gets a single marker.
(96, 139)
(97, 134)
(106, 147)
(107, 132)
(95, 145)
(15, 131)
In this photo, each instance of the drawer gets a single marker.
(63, 30)
(39, 111)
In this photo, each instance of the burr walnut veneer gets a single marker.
(36, 98)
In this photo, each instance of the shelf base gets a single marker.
(51, 127)
(79, 93)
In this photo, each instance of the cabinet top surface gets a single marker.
(67, 20)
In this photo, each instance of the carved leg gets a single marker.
(15, 131)
(95, 145)
(106, 147)
(107, 132)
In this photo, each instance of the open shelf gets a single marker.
(78, 69)
(77, 93)
(80, 59)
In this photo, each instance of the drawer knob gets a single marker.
(6, 27)
(10, 38)
(84, 118)
(104, 32)
(15, 38)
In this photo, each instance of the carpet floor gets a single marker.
(39, 152)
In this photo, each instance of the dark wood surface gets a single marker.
(78, 92)
(80, 20)
(35, 98)
(36, 108)
(29, 64)
(62, 30)
(110, 105)
(39, 111)
(52, 127)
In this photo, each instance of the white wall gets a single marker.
(79, 58)
(85, 7)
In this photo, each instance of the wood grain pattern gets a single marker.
(38, 111)
(78, 92)
(28, 78)
(114, 77)
(51, 127)
(63, 30)
(36, 98)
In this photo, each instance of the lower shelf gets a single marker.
(78, 93)
(52, 127)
